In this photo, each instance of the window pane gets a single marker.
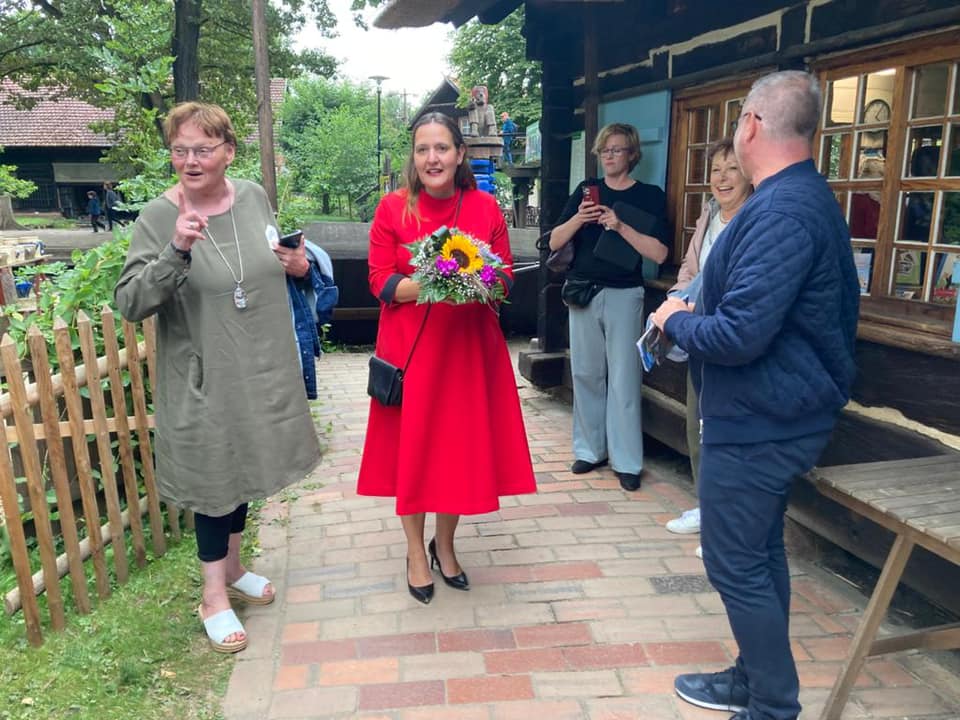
(923, 151)
(930, 90)
(946, 278)
(694, 205)
(878, 97)
(835, 157)
(916, 214)
(950, 220)
(714, 123)
(697, 167)
(734, 107)
(953, 159)
(698, 125)
(908, 269)
(863, 259)
(864, 215)
(870, 154)
(842, 98)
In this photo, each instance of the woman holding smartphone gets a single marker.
(605, 299)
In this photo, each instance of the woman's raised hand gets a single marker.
(189, 226)
(608, 218)
(588, 212)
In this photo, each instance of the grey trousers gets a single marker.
(607, 377)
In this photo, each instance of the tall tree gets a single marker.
(122, 54)
(495, 56)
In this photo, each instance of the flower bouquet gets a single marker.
(452, 266)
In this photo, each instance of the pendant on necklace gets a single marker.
(240, 298)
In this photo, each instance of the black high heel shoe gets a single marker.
(423, 593)
(457, 582)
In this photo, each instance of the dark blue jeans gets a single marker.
(743, 496)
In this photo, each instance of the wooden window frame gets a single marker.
(683, 103)
(882, 306)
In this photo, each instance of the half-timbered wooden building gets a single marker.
(888, 144)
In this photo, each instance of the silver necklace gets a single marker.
(239, 294)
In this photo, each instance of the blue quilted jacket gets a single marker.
(772, 341)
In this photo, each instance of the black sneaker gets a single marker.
(725, 690)
(580, 467)
(629, 481)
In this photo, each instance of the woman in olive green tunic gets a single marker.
(232, 417)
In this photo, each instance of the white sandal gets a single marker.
(219, 627)
(250, 588)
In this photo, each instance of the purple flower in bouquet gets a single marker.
(488, 275)
(446, 267)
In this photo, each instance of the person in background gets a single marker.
(729, 191)
(771, 344)
(232, 421)
(508, 130)
(607, 373)
(94, 210)
(457, 443)
(110, 200)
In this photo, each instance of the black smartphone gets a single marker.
(291, 240)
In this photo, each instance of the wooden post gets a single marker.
(591, 86)
(81, 455)
(58, 465)
(261, 63)
(23, 417)
(18, 545)
(118, 399)
(104, 449)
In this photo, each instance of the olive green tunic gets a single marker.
(233, 422)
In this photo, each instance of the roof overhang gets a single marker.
(421, 13)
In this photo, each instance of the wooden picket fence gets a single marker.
(42, 456)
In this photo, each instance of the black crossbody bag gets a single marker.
(385, 381)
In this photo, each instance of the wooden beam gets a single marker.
(591, 83)
(942, 637)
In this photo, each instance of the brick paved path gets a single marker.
(582, 605)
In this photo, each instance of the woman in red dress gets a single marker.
(457, 443)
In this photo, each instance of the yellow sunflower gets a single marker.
(464, 252)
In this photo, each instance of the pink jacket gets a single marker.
(690, 267)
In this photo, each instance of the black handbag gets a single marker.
(385, 381)
(579, 293)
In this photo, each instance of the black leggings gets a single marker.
(213, 533)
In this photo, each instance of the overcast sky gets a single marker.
(414, 59)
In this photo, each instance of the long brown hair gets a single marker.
(463, 178)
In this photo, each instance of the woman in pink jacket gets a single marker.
(730, 190)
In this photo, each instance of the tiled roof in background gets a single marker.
(278, 91)
(51, 122)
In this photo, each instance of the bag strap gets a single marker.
(413, 347)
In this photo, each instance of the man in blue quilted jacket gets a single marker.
(771, 347)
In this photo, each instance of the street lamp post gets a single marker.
(378, 79)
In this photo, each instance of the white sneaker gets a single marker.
(687, 524)
(699, 551)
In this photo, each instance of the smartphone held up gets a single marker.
(291, 240)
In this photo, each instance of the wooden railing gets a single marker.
(41, 453)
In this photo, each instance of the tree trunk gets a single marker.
(326, 203)
(7, 221)
(186, 40)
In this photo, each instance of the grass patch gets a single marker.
(140, 654)
(39, 222)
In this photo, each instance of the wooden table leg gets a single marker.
(872, 617)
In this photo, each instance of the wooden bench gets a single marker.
(919, 501)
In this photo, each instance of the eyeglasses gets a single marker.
(201, 153)
(735, 123)
(610, 152)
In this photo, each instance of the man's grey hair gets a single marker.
(789, 103)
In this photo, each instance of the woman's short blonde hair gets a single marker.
(628, 131)
(212, 119)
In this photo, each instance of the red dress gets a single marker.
(458, 442)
